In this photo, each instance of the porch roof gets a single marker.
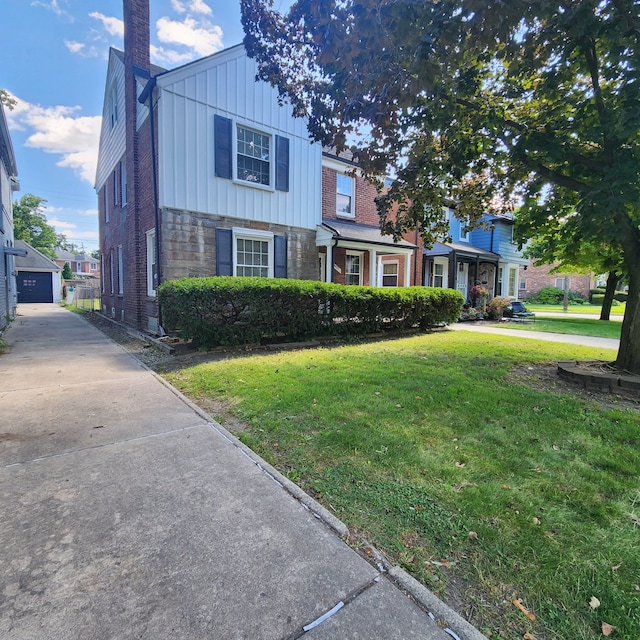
(362, 233)
(462, 249)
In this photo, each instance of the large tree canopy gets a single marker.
(30, 224)
(481, 101)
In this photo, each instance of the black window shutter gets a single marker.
(282, 163)
(223, 147)
(280, 256)
(224, 252)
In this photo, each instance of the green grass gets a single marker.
(435, 451)
(575, 308)
(573, 326)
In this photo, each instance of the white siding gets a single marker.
(224, 84)
(112, 140)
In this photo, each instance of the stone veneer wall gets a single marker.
(189, 244)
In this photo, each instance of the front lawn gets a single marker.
(439, 450)
(575, 308)
(573, 326)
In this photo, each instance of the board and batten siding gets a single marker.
(112, 140)
(224, 84)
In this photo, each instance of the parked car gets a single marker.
(516, 309)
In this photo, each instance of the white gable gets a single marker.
(112, 134)
(224, 85)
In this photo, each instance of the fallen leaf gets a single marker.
(506, 486)
(636, 587)
(536, 520)
(399, 406)
(461, 464)
(594, 603)
(616, 567)
(607, 629)
(556, 447)
(473, 535)
(529, 636)
(518, 603)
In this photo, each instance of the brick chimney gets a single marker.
(137, 66)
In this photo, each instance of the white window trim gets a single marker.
(123, 183)
(253, 234)
(272, 150)
(444, 262)
(120, 270)
(106, 201)
(464, 237)
(361, 274)
(151, 249)
(382, 274)
(340, 214)
(111, 276)
(113, 105)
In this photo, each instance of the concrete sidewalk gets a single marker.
(587, 341)
(126, 513)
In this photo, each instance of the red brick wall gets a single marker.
(365, 195)
(535, 278)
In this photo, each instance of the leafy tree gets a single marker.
(30, 224)
(67, 274)
(7, 99)
(483, 101)
(575, 255)
(95, 254)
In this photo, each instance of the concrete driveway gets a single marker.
(127, 513)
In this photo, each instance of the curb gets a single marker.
(458, 629)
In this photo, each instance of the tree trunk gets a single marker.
(629, 353)
(612, 282)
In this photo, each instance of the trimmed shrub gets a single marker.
(550, 295)
(597, 298)
(620, 296)
(224, 310)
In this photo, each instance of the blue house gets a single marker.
(486, 256)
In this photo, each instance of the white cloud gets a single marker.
(202, 37)
(160, 55)
(195, 6)
(114, 26)
(59, 130)
(74, 47)
(60, 225)
(54, 7)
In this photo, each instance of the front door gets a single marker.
(462, 278)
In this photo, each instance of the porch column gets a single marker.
(407, 269)
(328, 263)
(373, 267)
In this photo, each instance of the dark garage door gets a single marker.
(34, 286)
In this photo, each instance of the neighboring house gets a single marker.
(488, 256)
(352, 249)
(82, 265)
(533, 278)
(38, 277)
(8, 250)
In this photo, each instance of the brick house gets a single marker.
(82, 265)
(202, 172)
(533, 278)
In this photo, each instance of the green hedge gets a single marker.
(223, 310)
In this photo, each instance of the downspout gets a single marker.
(148, 91)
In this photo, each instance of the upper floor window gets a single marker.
(344, 195)
(464, 233)
(106, 202)
(113, 106)
(254, 157)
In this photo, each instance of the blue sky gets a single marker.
(54, 62)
